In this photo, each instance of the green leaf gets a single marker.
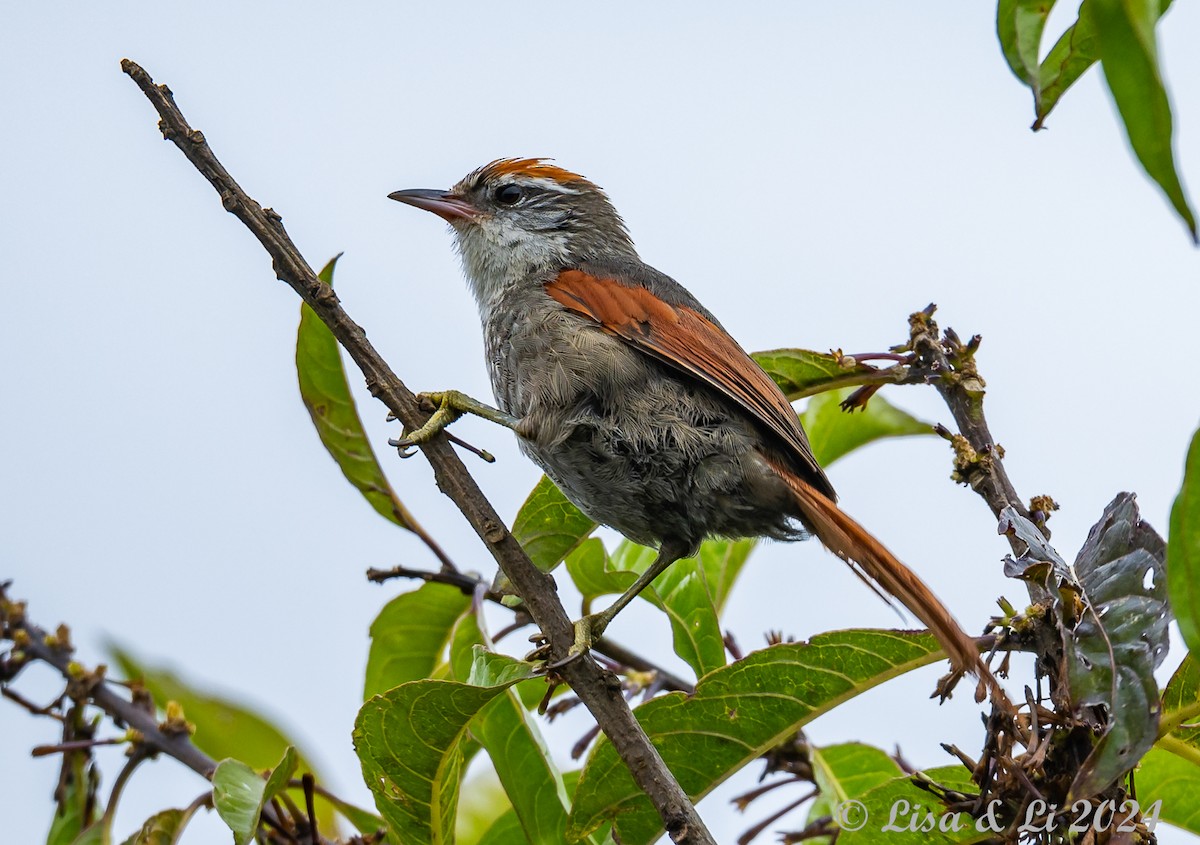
(1183, 551)
(549, 527)
(326, 395)
(410, 636)
(239, 793)
(736, 714)
(1129, 58)
(506, 828)
(1075, 51)
(364, 821)
(512, 740)
(833, 432)
(410, 743)
(802, 372)
(844, 772)
(1181, 704)
(99, 833)
(1120, 570)
(680, 592)
(722, 562)
(1019, 25)
(163, 828)
(899, 811)
(80, 806)
(1169, 777)
(223, 728)
(848, 770)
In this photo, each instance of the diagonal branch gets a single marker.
(950, 367)
(595, 687)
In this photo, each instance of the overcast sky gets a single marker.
(812, 172)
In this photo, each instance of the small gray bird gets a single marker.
(629, 394)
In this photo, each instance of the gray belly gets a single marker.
(632, 444)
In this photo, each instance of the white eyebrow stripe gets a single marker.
(543, 182)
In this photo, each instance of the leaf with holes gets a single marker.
(410, 743)
(737, 713)
(410, 635)
(549, 527)
(1120, 570)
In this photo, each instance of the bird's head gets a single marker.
(518, 219)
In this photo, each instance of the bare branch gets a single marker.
(596, 688)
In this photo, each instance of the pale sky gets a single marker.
(812, 172)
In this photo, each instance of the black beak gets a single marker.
(450, 207)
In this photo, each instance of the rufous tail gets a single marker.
(855, 545)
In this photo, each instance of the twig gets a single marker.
(593, 686)
(35, 643)
(470, 583)
(951, 368)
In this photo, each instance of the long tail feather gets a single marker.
(855, 545)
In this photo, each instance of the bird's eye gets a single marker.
(509, 195)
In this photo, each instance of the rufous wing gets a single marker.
(692, 343)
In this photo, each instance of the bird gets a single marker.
(631, 396)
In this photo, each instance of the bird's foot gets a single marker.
(447, 406)
(588, 630)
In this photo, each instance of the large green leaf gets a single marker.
(506, 730)
(1129, 58)
(899, 811)
(410, 743)
(802, 372)
(1120, 570)
(1183, 551)
(834, 433)
(410, 636)
(223, 728)
(1019, 25)
(240, 793)
(549, 527)
(680, 592)
(326, 395)
(736, 714)
(1168, 781)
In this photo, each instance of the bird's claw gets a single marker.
(404, 447)
(587, 631)
(440, 404)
